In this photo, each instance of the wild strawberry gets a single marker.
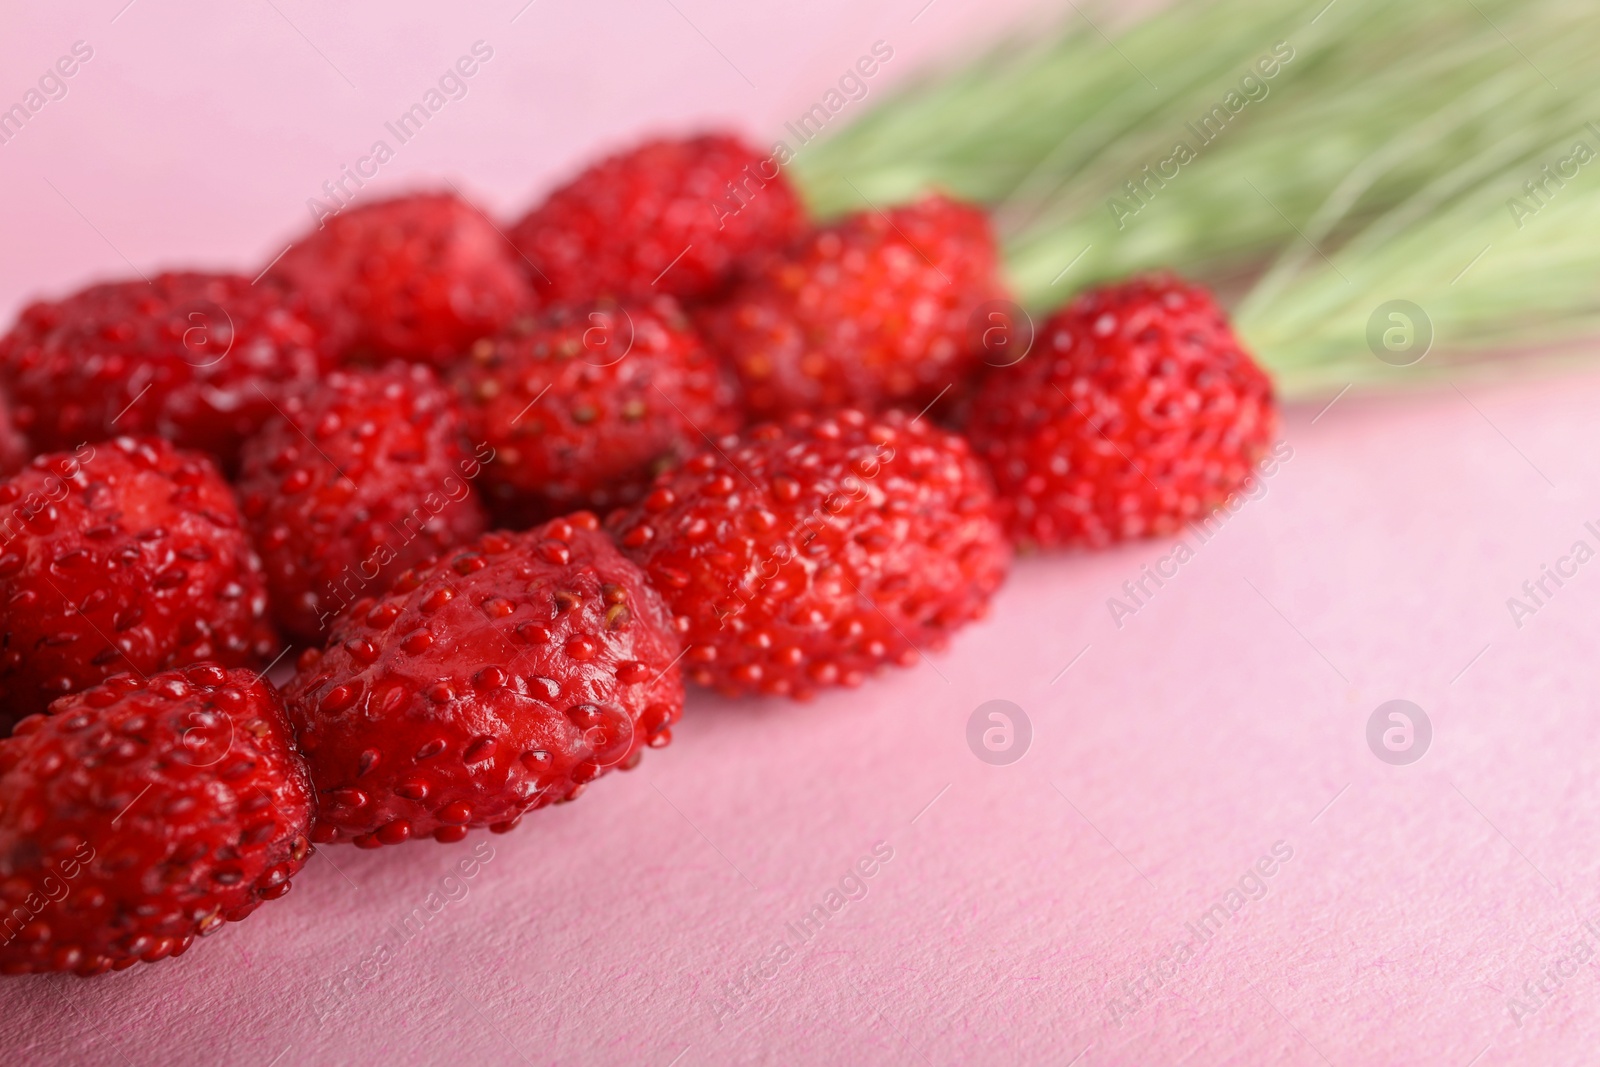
(195, 358)
(362, 478)
(14, 447)
(417, 277)
(127, 555)
(142, 813)
(584, 406)
(1136, 411)
(810, 553)
(498, 680)
(870, 311)
(669, 216)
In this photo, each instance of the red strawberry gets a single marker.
(14, 447)
(870, 311)
(417, 277)
(363, 478)
(125, 555)
(1136, 411)
(196, 358)
(668, 216)
(584, 406)
(142, 813)
(813, 552)
(499, 680)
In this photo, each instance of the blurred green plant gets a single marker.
(1384, 161)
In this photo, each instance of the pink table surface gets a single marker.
(1028, 913)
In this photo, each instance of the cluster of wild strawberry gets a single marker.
(389, 454)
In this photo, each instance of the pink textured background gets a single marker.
(1025, 900)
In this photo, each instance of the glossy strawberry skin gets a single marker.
(871, 311)
(502, 678)
(359, 479)
(416, 277)
(810, 553)
(583, 406)
(671, 216)
(141, 813)
(196, 358)
(1137, 411)
(125, 555)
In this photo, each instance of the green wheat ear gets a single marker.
(1386, 160)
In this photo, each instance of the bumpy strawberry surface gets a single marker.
(1137, 411)
(669, 216)
(584, 406)
(126, 555)
(503, 678)
(196, 358)
(142, 813)
(417, 277)
(875, 309)
(14, 447)
(362, 478)
(811, 553)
